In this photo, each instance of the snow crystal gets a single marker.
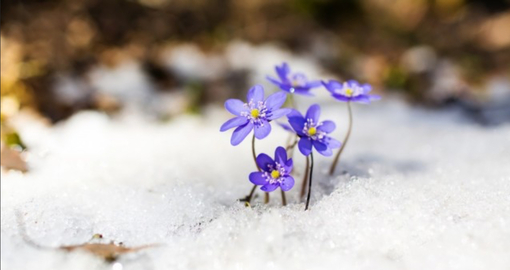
(415, 189)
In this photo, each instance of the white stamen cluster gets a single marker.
(319, 134)
(279, 168)
(298, 80)
(262, 112)
(351, 90)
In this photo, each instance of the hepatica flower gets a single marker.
(313, 133)
(293, 82)
(256, 114)
(350, 91)
(274, 173)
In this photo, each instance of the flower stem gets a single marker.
(305, 178)
(309, 182)
(284, 200)
(290, 147)
(250, 196)
(337, 157)
(292, 101)
(253, 152)
(266, 195)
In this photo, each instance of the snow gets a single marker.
(415, 189)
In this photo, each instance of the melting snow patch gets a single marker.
(414, 190)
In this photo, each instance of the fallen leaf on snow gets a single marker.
(11, 159)
(109, 252)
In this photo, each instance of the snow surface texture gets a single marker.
(415, 189)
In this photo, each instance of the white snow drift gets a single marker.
(415, 190)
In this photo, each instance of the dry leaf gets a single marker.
(109, 252)
(11, 159)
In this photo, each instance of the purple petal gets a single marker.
(303, 91)
(283, 71)
(341, 97)
(327, 126)
(276, 100)
(289, 165)
(295, 113)
(322, 148)
(257, 178)
(374, 97)
(262, 130)
(332, 143)
(366, 88)
(286, 87)
(313, 113)
(361, 99)
(234, 122)
(240, 133)
(264, 162)
(278, 113)
(300, 78)
(256, 94)
(332, 85)
(269, 187)
(280, 155)
(273, 80)
(287, 183)
(353, 84)
(235, 106)
(313, 84)
(305, 146)
(297, 123)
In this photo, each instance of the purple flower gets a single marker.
(312, 132)
(256, 114)
(350, 91)
(274, 173)
(293, 82)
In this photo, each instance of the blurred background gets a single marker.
(175, 56)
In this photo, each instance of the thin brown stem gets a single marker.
(250, 196)
(291, 146)
(253, 152)
(309, 182)
(289, 140)
(337, 157)
(292, 101)
(266, 195)
(284, 200)
(305, 179)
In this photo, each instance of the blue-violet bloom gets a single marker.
(312, 132)
(274, 173)
(255, 114)
(350, 91)
(293, 82)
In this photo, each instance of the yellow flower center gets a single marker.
(275, 174)
(312, 131)
(255, 113)
(348, 92)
